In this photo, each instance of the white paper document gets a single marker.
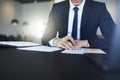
(76, 51)
(18, 43)
(40, 48)
(84, 50)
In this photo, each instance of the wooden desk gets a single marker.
(30, 65)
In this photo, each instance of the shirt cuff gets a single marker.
(51, 42)
(88, 43)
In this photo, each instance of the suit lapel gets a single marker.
(65, 17)
(85, 14)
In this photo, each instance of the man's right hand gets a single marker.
(66, 42)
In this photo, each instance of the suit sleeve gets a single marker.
(107, 27)
(50, 30)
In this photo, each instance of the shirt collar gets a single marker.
(79, 6)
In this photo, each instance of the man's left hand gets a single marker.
(81, 43)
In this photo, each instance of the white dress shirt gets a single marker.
(70, 20)
(71, 17)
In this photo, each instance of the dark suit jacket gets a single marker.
(94, 15)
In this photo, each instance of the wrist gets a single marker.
(55, 41)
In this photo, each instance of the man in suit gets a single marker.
(91, 15)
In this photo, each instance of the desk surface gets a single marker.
(30, 65)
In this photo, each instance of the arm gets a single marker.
(50, 30)
(107, 26)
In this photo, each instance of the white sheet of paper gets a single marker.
(40, 48)
(84, 50)
(76, 51)
(94, 51)
(18, 43)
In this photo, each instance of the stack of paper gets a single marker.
(76, 51)
(18, 43)
(41, 48)
(84, 50)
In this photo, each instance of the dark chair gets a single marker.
(3, 38)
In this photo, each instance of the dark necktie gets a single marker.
(75, 23)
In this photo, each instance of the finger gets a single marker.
(62, 46)
(84, 43)
(71, 45)
(78, 46)
(71, 40)
(67, 46)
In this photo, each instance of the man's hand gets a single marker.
(66, 42)
(69, 43)
(81, 43)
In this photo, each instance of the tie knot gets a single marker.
(75, 9)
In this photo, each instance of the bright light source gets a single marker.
(36, 28)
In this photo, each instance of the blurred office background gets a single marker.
(26, 19)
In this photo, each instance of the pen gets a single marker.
(70, 42)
